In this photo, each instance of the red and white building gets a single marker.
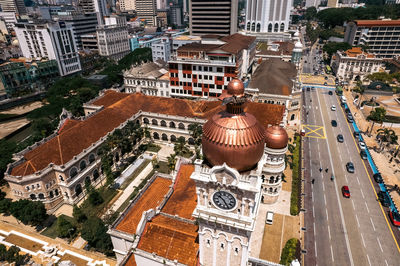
(204, 69)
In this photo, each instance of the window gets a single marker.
(200, 76)
(91, 158)
(82, 165)
(220, 78)
(195, 76)
(219, 87)
(194, 67)
(236, 251)
(208, 242)
(219, 69)
(222, 246)
(184, 75)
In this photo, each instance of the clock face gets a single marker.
(224, 200)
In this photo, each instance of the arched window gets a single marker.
(91, 158)
(292, 117)
(154, 122)
(41, 196)
(270, 27)
(156, 135)
(146, 121)
(248, 26)
(173, 138)
(87, 181)
(163, 123)
(271, 180)
(276, 27)
(181, 126)
(51, 194)
(282, 27)
(164, 137)
(95, 174)
(73, 172)
(276, 179)
(57, 193)
(270, 189)
(191, 141)
(32, 196)
(78, 189)
(258, 27)
(82, 165)
(172, 124)
(253, 26)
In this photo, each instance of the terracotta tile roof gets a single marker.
(184, 199)
(195, 46)
(371, 23)
(118, 108)
(150, 199)
(69, 123)
(171, 239)
(237, 42)
(354, 51)
(131, 260)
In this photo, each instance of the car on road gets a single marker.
(308, 88)
(269, 218)
(305, 61)
(346, 191)
(333, 108)
(363, 155)
(350, 167)
(395, 218)
(340, 138)
(334, 123)
(362, 145)
(326, 78)
(356, 135)
(330, 93)
(378, 178)
(384, 198)
(325, 83)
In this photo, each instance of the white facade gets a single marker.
(161, 50)
(161, 4)
(310, 3)
(51, 41)
(9, 18)
(268, 15)
(127, 5)
(113, 38)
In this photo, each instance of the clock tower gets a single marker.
(228, 181)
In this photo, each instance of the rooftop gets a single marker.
(119, 107)
(147, 70)
(282, 48)
(274, 76)
(371, 23)
(187, 38)
(355, 51)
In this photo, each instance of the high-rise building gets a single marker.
(16, 6)
(161, 4)
(147, 10)
(98, 6)
(213, 17)
(81, 23)
(113, 38)
(127, 5)
(381, 36)
(49, 40)
(268, 15)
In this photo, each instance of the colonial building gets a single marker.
(205, 69)
(354, 64)
(56, 169)
(207, 214)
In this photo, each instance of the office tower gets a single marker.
(127, 5)
(98, 6)
(49, 40)
(213, 17)
(16, 6)
(147, 10)
(268, 15)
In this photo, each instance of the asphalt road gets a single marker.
(311, 62)
(340, 231)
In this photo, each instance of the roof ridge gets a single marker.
(171, 228)
(59, 149)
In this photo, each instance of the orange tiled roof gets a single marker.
(370, 23)
(150, 199)
(172, 239)
(69, 123)
(354, 51)
(131, 261)
(183, 200)
(118, 107)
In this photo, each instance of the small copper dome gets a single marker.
(236, 87)
(234, 139)
(276, 137)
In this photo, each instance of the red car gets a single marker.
(395, 218)
(346, 191)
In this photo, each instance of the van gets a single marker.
(270, 217)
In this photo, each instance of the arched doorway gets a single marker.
(292, 117)
(156, 135)
(276, 27)
(270, 27)
(258, 27)
(173, 138)
(164, 137)
(78, 189)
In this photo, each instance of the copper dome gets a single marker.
(276, 137)
(236, 87)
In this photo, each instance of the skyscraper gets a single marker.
(98, 6)
(16, 6)
(147, 9)
(268, 15)
(213, 17)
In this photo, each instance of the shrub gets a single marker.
(78, 214)
(289, 251)
(95, 198)
(64, 227)
(294, 197)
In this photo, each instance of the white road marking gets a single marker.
(366, 206)
(332, 253)
(329, 232)
(358, 223)
(362, 238)
(386, 262)
(372, 224)
(380, 246)
(324, 198)
(358, 181)
(345, 177)
(327, 218)
(323, 187)
(315, 247)
(369, 262)
(362, 193)
(352, 203)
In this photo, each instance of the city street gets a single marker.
(339, 231)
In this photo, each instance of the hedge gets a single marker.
(289, 251)
(294, 197)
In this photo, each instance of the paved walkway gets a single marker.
(131, 187)
(131, 168)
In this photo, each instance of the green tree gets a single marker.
(387, 136)
(95, 232)
(7, 148)
(65, 228)
(5, 205)
(78, 214)
(332, 47)
(310, 13)
(289, 251)
(180, 147)
(95, 198)
(377, 115)
(196, 132)
(12, 253)
(171, 161)
(29, 212)
(3, 252)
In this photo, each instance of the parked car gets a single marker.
(340, 138)
(362, 145)
(378, 178)
(269, 218)
(334, 123)
(350, 167)
(384, 198)
(363, 155)
(395, 218)
(330, 93)
(333, 108)
(350, 120)
(325, 83)
(356, 135)
(346, 191)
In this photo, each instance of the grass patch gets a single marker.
(107, 194)
(153, 147)
(295, 195)
(289, 252)
(163, 167)
(51, 231)
(187, 154)
(134, 174)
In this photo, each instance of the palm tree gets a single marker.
(180, 147)
(360, 89)
(196, 131)
(377, 115)
(171, 161)
(386, 135)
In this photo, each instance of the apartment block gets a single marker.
(161, 50)
(382, 37)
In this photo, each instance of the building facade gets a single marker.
(54, 41)
(354, 64)
(95, 6)
(161, 50)
(147, 10)
(127, 5)
(205, 69)
(16, 6)
(382, 37)
(112, 38)
(89, 42)
(219, 18)
(268, 15)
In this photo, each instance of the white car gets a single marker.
(362, 145)
(333, 108)
(270, 217)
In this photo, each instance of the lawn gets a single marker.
(134, 174)
(107, 194)
(51, 231)
(163, 167)
(153, 147)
